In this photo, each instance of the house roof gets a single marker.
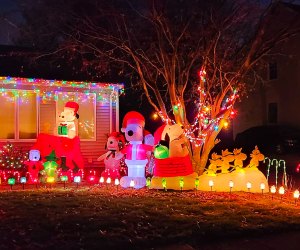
(48, 88)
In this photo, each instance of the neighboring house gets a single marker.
(31, 106)
(276, 100)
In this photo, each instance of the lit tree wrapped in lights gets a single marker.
(12, 158)
(162, 45)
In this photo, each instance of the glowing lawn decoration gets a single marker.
(64, 179)
(164, 183)
(136, 151)
(211, 184)
(196, 183)
(281, 191)
(273, 190)
(11, 182)
(230, 167)
(77, 180)
(296, 195)
(132, 184)
(277, 164)
(23, 181)
(262, 187)
(231, 184)
(249, 186)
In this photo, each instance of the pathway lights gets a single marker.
(211, 184)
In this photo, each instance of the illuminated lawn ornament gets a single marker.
(108, 180)
(50, 166)
(131, 184)
(281, 191)
(11, 182)
(148, 182)
(117, 183)
(249, 186)
(262, 187)
(231, 184)
(277, 164)
(101, 180)
(161, 152)
(196, 183)
(137, 151)
(181, 183)
(273, 190)
(64, 179)
(77, 180)
(23, 181)
(211, 184)
(164, 183)
(296, 196)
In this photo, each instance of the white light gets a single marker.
(77, 179)
(108, 181)
(262, 186)
(296, 194)
(211, 183)
(101, 179)
(117, 182)
(273, 189)
(231, 184)
(131, 183)
(281, 190)
(249, 185)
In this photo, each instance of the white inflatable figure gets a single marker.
(67, 126)
(137, 153)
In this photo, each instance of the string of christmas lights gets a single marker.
(204, 123)
(12, 87)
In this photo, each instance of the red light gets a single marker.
(298, 168)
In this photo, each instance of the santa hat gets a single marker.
(73, 105)
(133, 117)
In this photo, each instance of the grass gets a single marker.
(97, 218)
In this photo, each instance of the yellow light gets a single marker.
(273, 189)
(155, 116)
(296, 194)
(225, 124)
(281, 190)
(207, 109)
(50, 179)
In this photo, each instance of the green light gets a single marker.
(64, 178)
(164, 183)
(196, 183)
(161, 152)
(181, 182)
(148, 182)
(11, 181)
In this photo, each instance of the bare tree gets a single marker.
(191, 58)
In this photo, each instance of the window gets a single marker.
(272, 70)
(87, 112)
(272, 112)
(18, 115)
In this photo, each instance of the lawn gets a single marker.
(100, 218)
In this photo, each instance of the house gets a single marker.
(31, 106)
(276, 99)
